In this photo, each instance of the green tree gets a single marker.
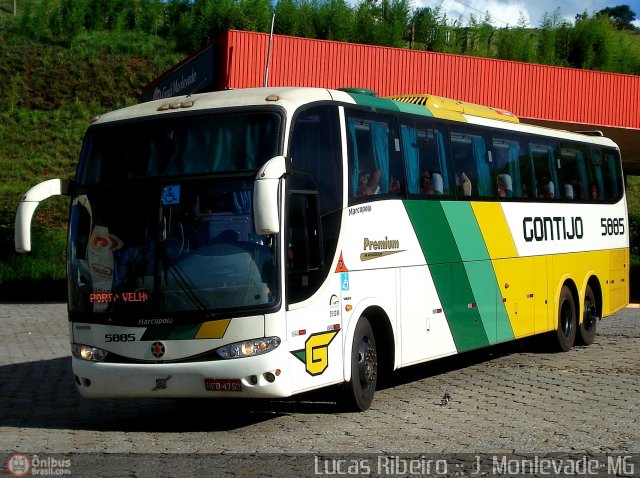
(516, 43)
(486, 35)
(367, 18)
(306, 19)
(73, 17)
(591, 43)
(620, 15)
(286, 17)
(255, 15)
(393, 23)
(430, 28)
(551, 39)
(334, 20)
(476, 38)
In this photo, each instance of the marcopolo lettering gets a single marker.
(552, 228)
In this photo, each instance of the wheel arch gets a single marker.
(384, 337)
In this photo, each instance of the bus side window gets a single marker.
(573, 172)
(444, 160)
(613, 175)
(605, 175)
(472, 164)
(411, 155)
(374, 155)
(596, 183)
(425, 158)
(543, 161)
(510, 167)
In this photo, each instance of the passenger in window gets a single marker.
(593, 191)
(504, 186)
(546, 188)
(568, 191)
(368, 183)
(394, 186)
(426, 183)
(577, 190)
(464, 184)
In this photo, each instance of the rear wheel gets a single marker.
(358, 392)
(567, 322)
(587, 329)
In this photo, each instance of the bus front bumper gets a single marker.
(261, 376)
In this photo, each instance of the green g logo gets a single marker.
(315, 355)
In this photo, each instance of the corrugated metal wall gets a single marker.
(527, 90)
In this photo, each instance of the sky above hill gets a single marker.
(508, 12)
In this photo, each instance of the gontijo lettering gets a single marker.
(552, 228)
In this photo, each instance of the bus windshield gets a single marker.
(161, 231)
(215, 143)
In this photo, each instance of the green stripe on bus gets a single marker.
(413, 109)
(463, 275)
(170, 332)
(374, 102)
(451, 281)
(184, 332)
(157, 332)
(465, 230)
(488, 300)
(479, 270)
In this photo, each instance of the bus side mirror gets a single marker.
(265, 195)
(28, 205)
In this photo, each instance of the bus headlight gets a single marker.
(85, 352)
(249, 348)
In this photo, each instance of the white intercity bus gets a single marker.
(266, 242)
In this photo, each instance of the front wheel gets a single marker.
(567, 322)
(358, 392)
(587, 328)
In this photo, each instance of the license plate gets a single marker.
(223, 384)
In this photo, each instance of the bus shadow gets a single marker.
(41, 394)
(460, 361)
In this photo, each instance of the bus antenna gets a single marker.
(266, 71)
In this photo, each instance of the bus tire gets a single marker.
(587, 328)
(358, 393)
(567, 322)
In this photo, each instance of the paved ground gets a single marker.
(512, 400)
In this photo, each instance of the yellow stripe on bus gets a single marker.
(214, 329)
(495, 229)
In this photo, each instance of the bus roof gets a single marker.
(451, 109)
(293, 97)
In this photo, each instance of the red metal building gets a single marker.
(560, 97)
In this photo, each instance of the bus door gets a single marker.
(314, 321)
(313, 213)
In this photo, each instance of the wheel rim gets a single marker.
(566, 319)
(367, 361)
(590, 314)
